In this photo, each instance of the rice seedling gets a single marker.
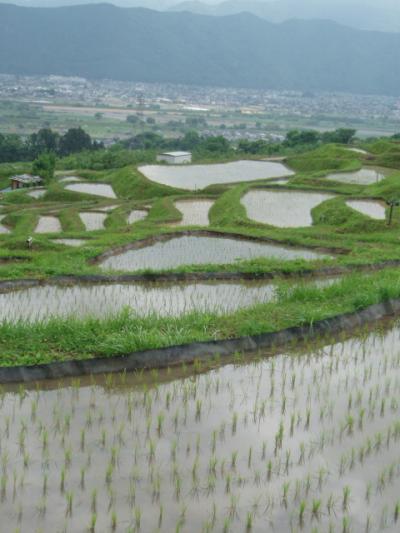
(147, 449)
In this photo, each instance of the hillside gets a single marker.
(136, 44)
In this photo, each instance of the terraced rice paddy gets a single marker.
(282, 208)
(196, 250)
(365, 176)
(3, 229)
(48, 224)
(303, 441)
(37, 193)
(70, 179)
(93, 221)
(194, 212)
(192, 177)
(97, 189)
(370, 208)
(136, 215)
(166, 299)
(358, 151)
(70, 242)
(107, 208)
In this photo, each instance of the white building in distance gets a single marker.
(175, 158)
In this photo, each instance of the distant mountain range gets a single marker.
(375, 15)
(136, 44)
(382, 16)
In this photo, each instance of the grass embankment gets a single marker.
(336, 225)
(79, 339)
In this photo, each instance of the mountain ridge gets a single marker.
(138, 44)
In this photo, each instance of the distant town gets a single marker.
(115, 110)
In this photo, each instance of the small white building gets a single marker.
(175, 158)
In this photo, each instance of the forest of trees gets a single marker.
(15, 148)
(78, 150)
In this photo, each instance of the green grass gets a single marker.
(326, 158)
(75, 338)
(336, 226)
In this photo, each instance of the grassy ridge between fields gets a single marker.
(73, 338)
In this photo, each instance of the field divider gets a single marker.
(154, 277)
(188, 353)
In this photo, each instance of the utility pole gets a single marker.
(392, 204)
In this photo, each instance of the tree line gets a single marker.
(16, 148)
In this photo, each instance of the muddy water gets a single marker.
(93, 221)
(3, 229)
(136, 215)
(282, 208)
(48, 224)
(194, 212)
(191, 250)
(41, 303)
(365, 176)
(97, 189)
(192, 177)
(372, 209)
(238, 446)
(71, 242)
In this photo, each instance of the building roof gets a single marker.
(176, 154)
(27, 178)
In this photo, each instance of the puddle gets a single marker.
(93, 221)
(243, 443)
(195, 250)
(358, 151)
(37, 193)
(194, 212)
(282, 209)
(370, 208)
(107, 208)
(70, 242)
(97, 189)
(136, 215)
(3, 229)
(48, 224)
(42, 303)
(280, 182)
(365, 176)
(192, 177)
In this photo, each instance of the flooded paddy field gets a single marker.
(71, 242)
(358, 151)
(194, 212)
(370, 208)
(107, 208)
(282, 208)
(302, 441)
(93, 221)
(365, 176)
(48, 224)
(105, 300)
(199, 250)
(136, 215)
(97, 189)
(37, 193)
(192, 177)
(69, 179)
